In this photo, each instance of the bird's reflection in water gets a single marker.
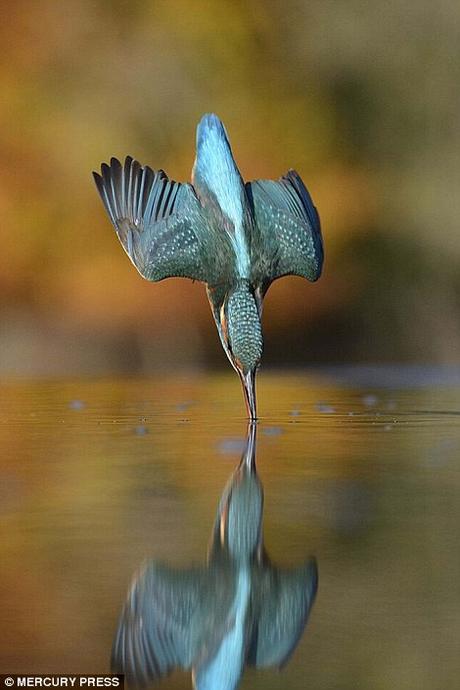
(237, 609)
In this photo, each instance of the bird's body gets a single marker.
(236, 237)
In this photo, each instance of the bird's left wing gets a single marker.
(158, 221)
(286, 598)
(154, 631)
(288, 231)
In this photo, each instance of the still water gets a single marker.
(360, 472)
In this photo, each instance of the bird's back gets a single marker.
(220, 188)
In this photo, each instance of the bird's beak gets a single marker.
(249, 387)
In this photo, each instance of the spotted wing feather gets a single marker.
(288, 225)
(157, 220)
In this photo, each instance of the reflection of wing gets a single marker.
(286, 599)
(288, 225)
(156, 219)
(172, 618)
(154, 632)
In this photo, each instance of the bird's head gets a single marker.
(242, 330)
(237, 313)
(238, 527)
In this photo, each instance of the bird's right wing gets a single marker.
(154, 633)
(286, 600)
(158, 221)
(289, 232)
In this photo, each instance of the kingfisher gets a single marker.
(235, 237)
(238, 609)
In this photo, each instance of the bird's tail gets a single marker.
(210, 125)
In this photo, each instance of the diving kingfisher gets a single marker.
(235, 237)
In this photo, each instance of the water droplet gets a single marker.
(272, 431)
(369, 400)
(182, 406)
(324, 408)
(229, 446)
(77, 405)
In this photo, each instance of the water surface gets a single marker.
(363, 473)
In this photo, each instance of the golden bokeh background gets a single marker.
(361, 98)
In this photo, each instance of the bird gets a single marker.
(238, 609)
(235, 237)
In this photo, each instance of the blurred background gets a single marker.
(360, 98)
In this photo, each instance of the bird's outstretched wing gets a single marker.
(286, 600)
(156, 219)
(155, 631)
(288, 228)
(172, 619)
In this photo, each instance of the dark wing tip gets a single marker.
(127, 165)
(294, 177)
(313, 218)
(105, 171)
(311, 567)
(99, 184)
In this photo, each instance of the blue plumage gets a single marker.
(235, 237)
